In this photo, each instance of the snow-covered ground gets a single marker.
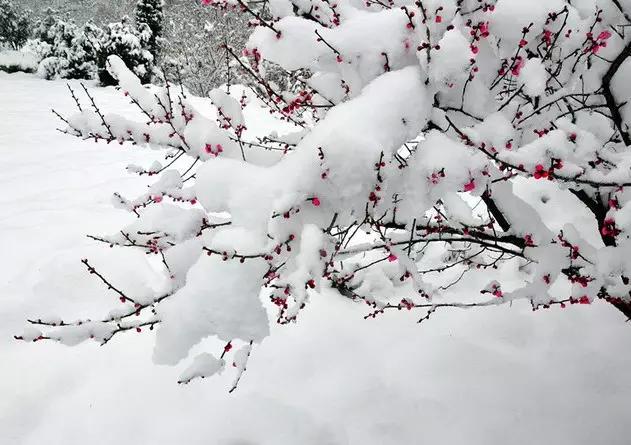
(495, 376)
(18, 60)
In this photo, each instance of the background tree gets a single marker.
(190, 45)
(195, 45)
(149, 13)
(58, 36)
(73, 52)
(66, 50)
(101, 12)
(130, 44)
(45, 28)
(14, 25)
(82, 57)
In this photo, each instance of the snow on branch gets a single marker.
(407, 132)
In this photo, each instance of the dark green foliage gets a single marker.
(127, 42)
(14, 25)
(150, 13)
(82, 56)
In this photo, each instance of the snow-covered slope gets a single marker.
(495, 376)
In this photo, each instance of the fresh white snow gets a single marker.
(22, 60)
(489, 376)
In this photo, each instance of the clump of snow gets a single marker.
(221, 298)
(452, 58)
(533, 77)
(511, 16)
(281, 8)
(229, 110)
(204, 365)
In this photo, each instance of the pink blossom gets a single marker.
(604, 35)
(519, 64)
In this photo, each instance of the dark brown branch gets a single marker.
(496, 212)
(109, 285)
(611, 101)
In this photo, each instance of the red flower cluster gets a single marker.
(542, 173)
(609, 228)
(303, 97)
(598, 42)
(436, 176)
(213, 151)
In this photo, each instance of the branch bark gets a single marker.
(600, 213)
(611, 100)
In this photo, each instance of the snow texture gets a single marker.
(449, 159)
(457, 387)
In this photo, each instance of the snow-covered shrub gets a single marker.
(149, 13)
(82, 55)
(38, 48)
(48, 28)
(59, 36)
(14, 25)
(431, 142)
(50, 68)
(14, 61)
(130, 44)
(67, 51)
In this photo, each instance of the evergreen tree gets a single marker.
(45, 28)
(150, 13)
(81, 57)
(127, 42)
(59, 35)
(14, 25)
(67, 51)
